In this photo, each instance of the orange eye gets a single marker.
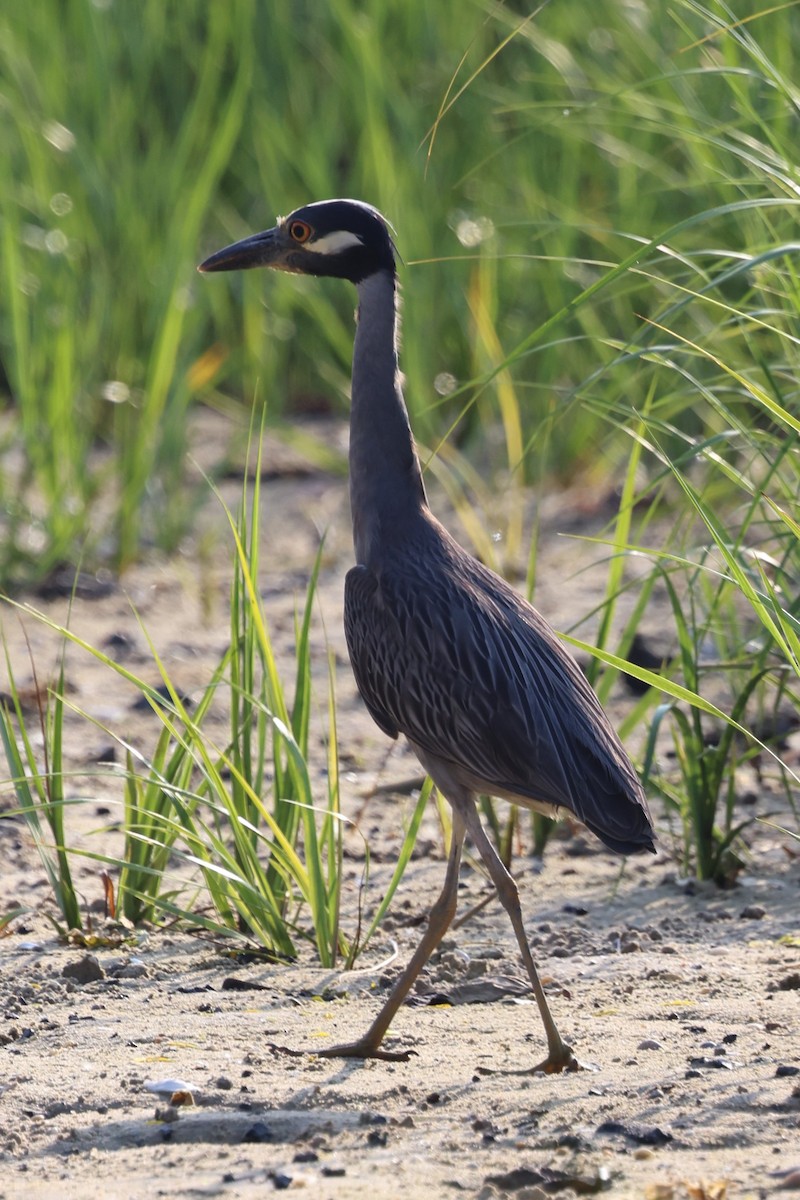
(300, 231)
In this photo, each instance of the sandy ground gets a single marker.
(683, 1001)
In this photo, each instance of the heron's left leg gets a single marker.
(560, 1056)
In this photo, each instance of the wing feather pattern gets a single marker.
(448, 654)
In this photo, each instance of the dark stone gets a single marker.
(643, 1135)
(85, 970)
(259, 1132)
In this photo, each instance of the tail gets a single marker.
(637, 838)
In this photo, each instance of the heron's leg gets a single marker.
(560, 1056)
(439, 921)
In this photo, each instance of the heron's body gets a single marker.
(443, 650)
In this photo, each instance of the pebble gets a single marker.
(86, 969)
(753, 912)
(645, 1135)
(718, 1063)
(259, 1132)
(133, 970)
(167, 1115)
(789, 1180)
(166, 1087)
(649, 1044)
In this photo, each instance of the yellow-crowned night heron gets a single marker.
(443, 650)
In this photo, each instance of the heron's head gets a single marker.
(344, 238)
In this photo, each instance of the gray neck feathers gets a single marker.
(386, 489)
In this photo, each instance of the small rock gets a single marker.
(69, 581)
(167, 1115)
(259, 1132)
(166, 1087)
(281, 1181)
(234, 984)
(753, 912)
(645, 1135)
(786, 1069)
(84, 970)
(718, 1063)
(649, 1044)
(121, 645)
(547, 1181)
(57, 1108)
(789, 1180)
(132, 970)
(223, 1083)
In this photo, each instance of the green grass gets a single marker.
(39, 789)
(598, 215)
(229, 838)
(631, 171)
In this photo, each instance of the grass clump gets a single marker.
(231, 838)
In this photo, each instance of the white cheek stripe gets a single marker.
(334, 243)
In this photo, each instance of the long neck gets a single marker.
(386, 489)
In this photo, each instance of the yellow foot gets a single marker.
(561, 1059)
(360, 1049)
(364, 1049)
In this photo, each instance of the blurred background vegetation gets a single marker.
(597, 208)
(607, 208)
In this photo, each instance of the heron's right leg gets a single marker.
(441, 915)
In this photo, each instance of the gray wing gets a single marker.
(466, 669)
